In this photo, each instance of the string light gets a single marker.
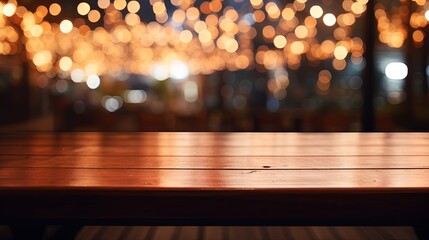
(393, 28)
(198, 35)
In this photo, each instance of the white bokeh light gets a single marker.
(135, 96)
(316, 11)
(329, 19)
(93, 81)
(190, 91)
(111, 104)
(77, 75)
(66, 26)
(179, 70)
(9, 9)
(159, 71)
(396, 70)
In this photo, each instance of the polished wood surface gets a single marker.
(252, 178)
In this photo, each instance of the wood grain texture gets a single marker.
(99, 179)
(215, 178)
(218, 151)
(214, 139)
(222, 162)
(215, 144)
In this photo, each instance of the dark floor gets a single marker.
(236, 233)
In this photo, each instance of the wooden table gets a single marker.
(215, 178)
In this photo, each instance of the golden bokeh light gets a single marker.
(418, 36)
(310, 22)
(297, 47)
(200, 26)
(299, 5)
(54, 9)
(346, 19)
(42, 58)
(192, 13)
(242, 62)
(65, 63)
(42, 11)
(186, 36)
(133, 6)
(301, 31)
(231, 14)
(159, 8)
(329, 19)
(325, 76)
(36, 31)
(205, 36)
(420, 2)
(205, 8)
(339, 64)
(120, 4)
(340, 33)
(323, 86)
(316, 11)
(83, 8)
(231, 45)
(132, 19)
(340, 52)
(211, 36)
(280, 41)
(268, 32)
(258, 16)
(215, 6)
(257, 4)
(176, 3)
(273, 10)
(94, 16)
(161, 18)
(358, 8)
(179, 16)
(288, 13)
(347, 5)
(324, 80)
(9, 9)
(212, 20)
(103, 4)
(328, 47)
(66, 26)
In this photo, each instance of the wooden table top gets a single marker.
(204, 165)
(215, 160)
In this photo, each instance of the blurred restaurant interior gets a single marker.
(214, 65)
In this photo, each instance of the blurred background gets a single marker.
(214, 65)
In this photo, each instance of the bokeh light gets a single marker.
(9, 9)
(83, 8)
(396, 70)
(93, 81)
(66, 26)
(316, 11)
(329, 19)
(54, 9)
(135, 96)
